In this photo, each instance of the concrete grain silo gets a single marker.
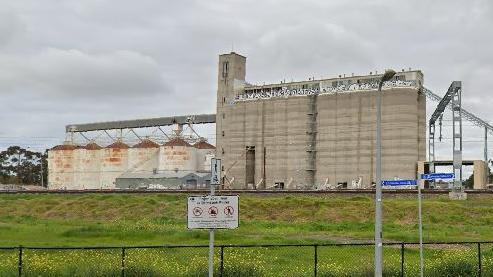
(177, 155)
(87, 167)
(61, 166)
(205, 152)
(143, 157)
(114, 163)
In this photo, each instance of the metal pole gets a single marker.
(222, 260)
(421, 263)
(42, 181)
(479, 259)
(487, 172)
(402, 259)
(211, 244)
(315, 254)
(486, 145)
(123, 262)
(20, 261)
(19, 167)
(378, 191)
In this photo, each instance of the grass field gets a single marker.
(160, 219)
(156, 219)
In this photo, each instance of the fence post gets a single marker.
(402, 259)
(315, 257)
(479, 259)
(123, 262)
(20, 261)
(222, 261)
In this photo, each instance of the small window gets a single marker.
(279, 185)
(224, 99)
(224, 115)
(222, 150)
(225, 69)
(222, 133)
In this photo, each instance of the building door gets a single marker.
(250, 167)
(191, 184)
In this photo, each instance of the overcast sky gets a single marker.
(73, 61)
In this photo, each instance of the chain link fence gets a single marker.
(400, 259)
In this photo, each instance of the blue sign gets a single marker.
(399, 183)
(434, 176)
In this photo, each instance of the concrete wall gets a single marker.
(312, 140)
(480, 175)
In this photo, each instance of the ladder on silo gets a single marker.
(311, 147)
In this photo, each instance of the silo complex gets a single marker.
(94, 167)
(316, 133)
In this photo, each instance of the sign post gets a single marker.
(212, 212)
(395, 183)
(215, 180)
(431, 176)
(412, 183)
(420, 224)
(211, 241)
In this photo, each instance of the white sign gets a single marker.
(212, 212)
(215, 171)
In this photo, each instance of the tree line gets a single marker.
(23, 166)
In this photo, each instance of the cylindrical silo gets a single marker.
(143, 157)
(88, 166)
(178, 155)
(205, 152)
(114, 163)
(61, 166)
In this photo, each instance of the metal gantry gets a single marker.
(453, 97)
(103, 128)
(452, 100)
(142, 123)
(456, 94)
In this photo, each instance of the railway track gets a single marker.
(242, 191)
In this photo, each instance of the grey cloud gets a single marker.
(73, 73)
(98, 60)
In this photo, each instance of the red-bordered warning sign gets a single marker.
(229, 211)
(213, 212)
(197, 211)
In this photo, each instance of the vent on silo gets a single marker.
(92, 146)
(65, 147)
(177, 142)
(118, 145)
(146, 143)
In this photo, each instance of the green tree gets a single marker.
(22, 166)
(469, 182)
